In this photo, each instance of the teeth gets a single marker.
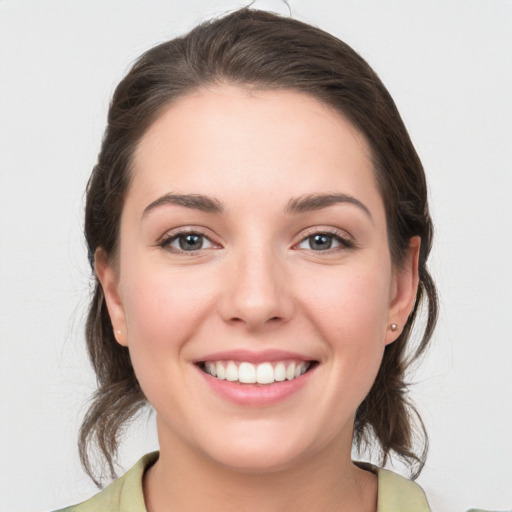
(280, 372)
(247, 373)
(221, 372)
(211, 368)
(290, 372)
(231, 372)
(263, 373)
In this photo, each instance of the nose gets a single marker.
(258, 293)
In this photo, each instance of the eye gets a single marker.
(186, 242)
(324, 242)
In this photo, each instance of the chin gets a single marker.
(256, 462)
(258, 454)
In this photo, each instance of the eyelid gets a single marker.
(345, 239)
(165, 240)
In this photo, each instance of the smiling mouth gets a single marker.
(263, 373)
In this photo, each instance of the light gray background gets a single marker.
(448, 64)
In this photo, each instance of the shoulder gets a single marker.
(124, 494)
(398, 494)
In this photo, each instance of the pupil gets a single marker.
(191, 242)
(321, 242)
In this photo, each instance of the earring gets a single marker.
(117, 333)
(393, 327)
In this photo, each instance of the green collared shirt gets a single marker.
(395, 494)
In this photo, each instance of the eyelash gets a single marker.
(345, 242)
(342, 239)
(166, 241)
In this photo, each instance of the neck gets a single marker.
(184, 481)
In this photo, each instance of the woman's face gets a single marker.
(253, 246)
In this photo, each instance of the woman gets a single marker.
(258, 225)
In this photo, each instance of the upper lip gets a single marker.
(253, 357)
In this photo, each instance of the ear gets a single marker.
(109, 280)
(403, 291)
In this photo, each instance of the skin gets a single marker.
(257, 284)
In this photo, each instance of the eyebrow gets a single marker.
(304, 203)
(311, 202)
(193, 201)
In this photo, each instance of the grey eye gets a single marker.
(189, 242)
(323, 242)
(320, 242)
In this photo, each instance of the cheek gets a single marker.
(350, 308)
(163, 308)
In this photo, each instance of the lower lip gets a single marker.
(256, 395)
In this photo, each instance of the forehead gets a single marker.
(228, 141)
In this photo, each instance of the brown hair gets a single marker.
(262, 50)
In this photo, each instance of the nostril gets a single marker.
(271, 320)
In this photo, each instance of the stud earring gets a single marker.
(393, 327)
